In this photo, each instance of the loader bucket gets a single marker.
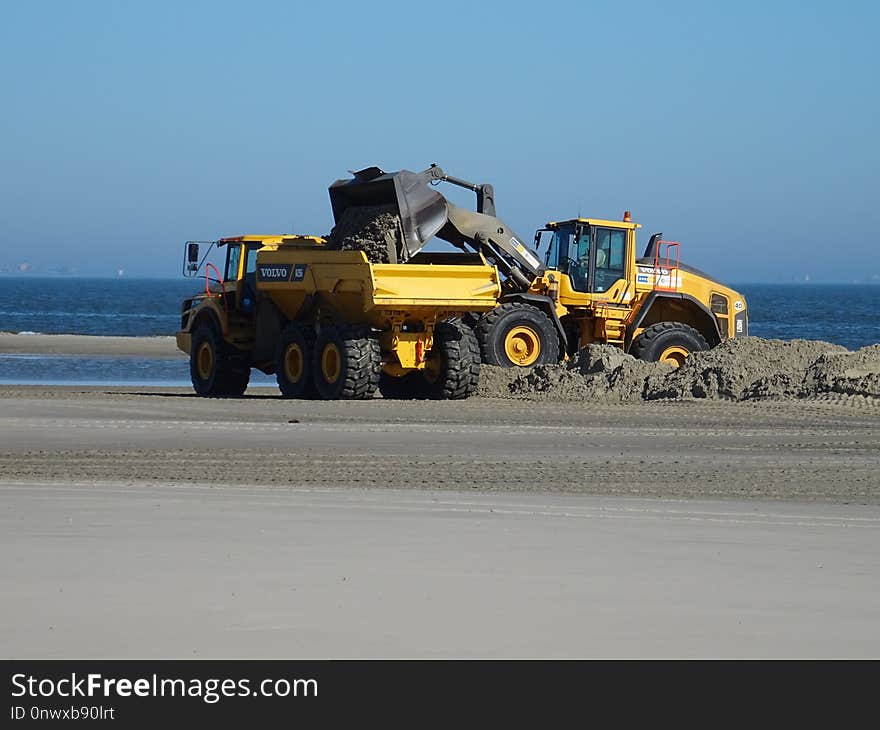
(422, 211)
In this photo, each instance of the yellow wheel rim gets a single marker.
(205, 360)
(522, 345)
(331, 363)
(293, 363)
(674, 355)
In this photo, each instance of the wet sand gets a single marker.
(825, 451)
(38, 344)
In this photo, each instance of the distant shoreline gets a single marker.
(102, 277)
(199, 281)
(155, 348)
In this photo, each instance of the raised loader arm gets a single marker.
(425, 213)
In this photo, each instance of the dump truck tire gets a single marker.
(457, 353)
(669, 342)
(346, 363)
(212, 370)
(405, 387)
(293, 361)
(471, 319)
(517, 335)
(452, 369)
(235, 381)
(476, 360)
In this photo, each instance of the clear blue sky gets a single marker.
(747, 130)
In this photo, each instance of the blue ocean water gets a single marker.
(130, 307)
(844, 314)
(61, 369)
(135, 307)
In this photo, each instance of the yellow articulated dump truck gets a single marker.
(329, 324)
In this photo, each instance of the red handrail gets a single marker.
(208, 267)
(670, 264)
(208, 292)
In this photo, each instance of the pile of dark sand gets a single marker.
(847, 373)
(375, 230)
(741, 369)
(744, 368)
(600, 373)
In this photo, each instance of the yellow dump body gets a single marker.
(347, 285)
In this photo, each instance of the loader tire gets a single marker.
(346, 362)
(213, 370)
(293, 361)
(517, 335)
(669, 342)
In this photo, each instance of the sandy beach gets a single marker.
(827, 451)
(159, 569)
(148, 521)
(86, 345)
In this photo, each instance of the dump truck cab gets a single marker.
(228, 302)
(241, 270)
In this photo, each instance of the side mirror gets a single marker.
(192, 253)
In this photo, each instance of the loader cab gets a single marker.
(594, 256)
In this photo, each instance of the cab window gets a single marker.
(578, 263)
(250, 262)
(233, 256)
(610, 258)
(557, 251)
(249, 285)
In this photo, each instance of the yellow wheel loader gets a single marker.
(330, 324)
(589, 285)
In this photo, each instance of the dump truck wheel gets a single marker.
(293, 362)
(212, 371)
(517, 335)
(346, 363)
(476, 360)
(471, 319)
(235, 380)
(405, 387)
(204, 360)
(452, 367)
(669, 342)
